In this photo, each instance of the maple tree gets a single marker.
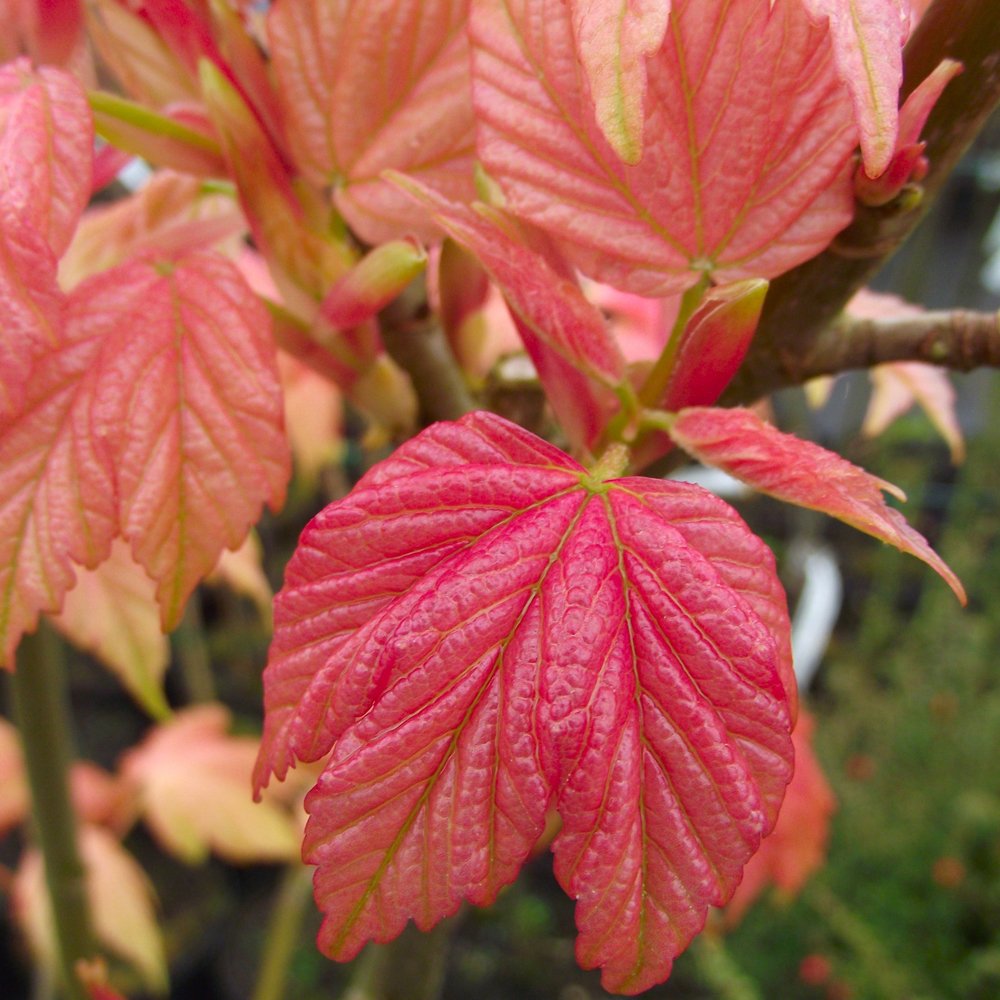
(641, 196)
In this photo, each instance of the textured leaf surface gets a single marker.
(748, 130)
(479, 631)
(192, 781)
(192, 412)
(868, 37)
(613, 38)
(46, 141)
(802, 473)
(368, 85)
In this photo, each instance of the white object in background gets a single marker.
(817, 609)
(714, 480)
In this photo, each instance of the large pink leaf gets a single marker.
(803, 473)
(368, 85)
(46, 142)
(613, 38)
(868, 37)
(481, 630)
(745, 167)
(191, 410)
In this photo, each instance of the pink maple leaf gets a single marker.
(483, 629)
(745, 167)
(45, 151)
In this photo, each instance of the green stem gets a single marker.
(719, 971)
(42, 712)
(283, 932)
(191, 650)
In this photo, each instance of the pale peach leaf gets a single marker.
(172, 215)
(897, 387)
(121, 901)
(193, 782)
(242, 570)
(14, 801)
(112, 613)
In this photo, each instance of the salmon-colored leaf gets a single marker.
(802, 473)
(897, 386)
(482, 630)
(193, 786)
(191, 411)
(745, 169)
(868, 37)
(30, 303)
(111, 612)
(369, 85)
(46, 149)
(57, 493)
(613, 38)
